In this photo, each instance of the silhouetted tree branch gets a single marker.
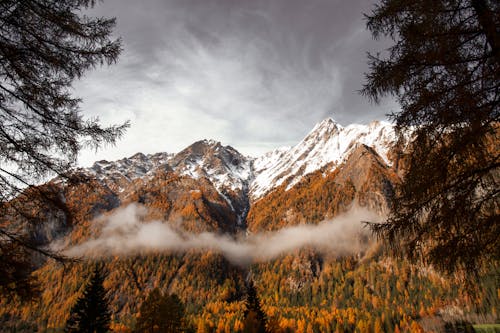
(44, 46)
(444, 69)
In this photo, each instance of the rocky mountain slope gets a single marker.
(240, 179)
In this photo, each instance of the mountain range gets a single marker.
(240, 181)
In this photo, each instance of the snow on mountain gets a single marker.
(225, 167)
(136, 166)
(327, 143)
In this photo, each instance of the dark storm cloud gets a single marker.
(254, 74)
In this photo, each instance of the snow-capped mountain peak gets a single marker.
(327, 143)
(128, 169)
(223, 165)
(326, 126)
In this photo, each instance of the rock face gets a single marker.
(205, 168)
(371, 177)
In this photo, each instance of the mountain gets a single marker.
(225, 167)
(206, 162)
(238, 176)
(238, 181)
(328, 143)
(363, 179)
(208, 187)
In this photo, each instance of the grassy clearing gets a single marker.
(487, 328)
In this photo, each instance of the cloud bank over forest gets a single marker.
(124, 232)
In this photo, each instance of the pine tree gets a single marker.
(149, 312)
(255, 319)
(44, 46)
(91, 312)
(173, 314)
(444, 70)
(161, 313)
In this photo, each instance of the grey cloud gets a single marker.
(254, 74)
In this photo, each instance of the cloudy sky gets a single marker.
(253, 74)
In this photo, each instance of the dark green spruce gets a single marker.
(91, 312)
(254, 318)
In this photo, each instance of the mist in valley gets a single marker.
(125, 232)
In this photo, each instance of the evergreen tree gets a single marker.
(173, 314)
(91, 312)
(254, 318)
(161, 313)
(149, 312)
(44, 46)
(444, 69)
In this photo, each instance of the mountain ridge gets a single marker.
(328, 143)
